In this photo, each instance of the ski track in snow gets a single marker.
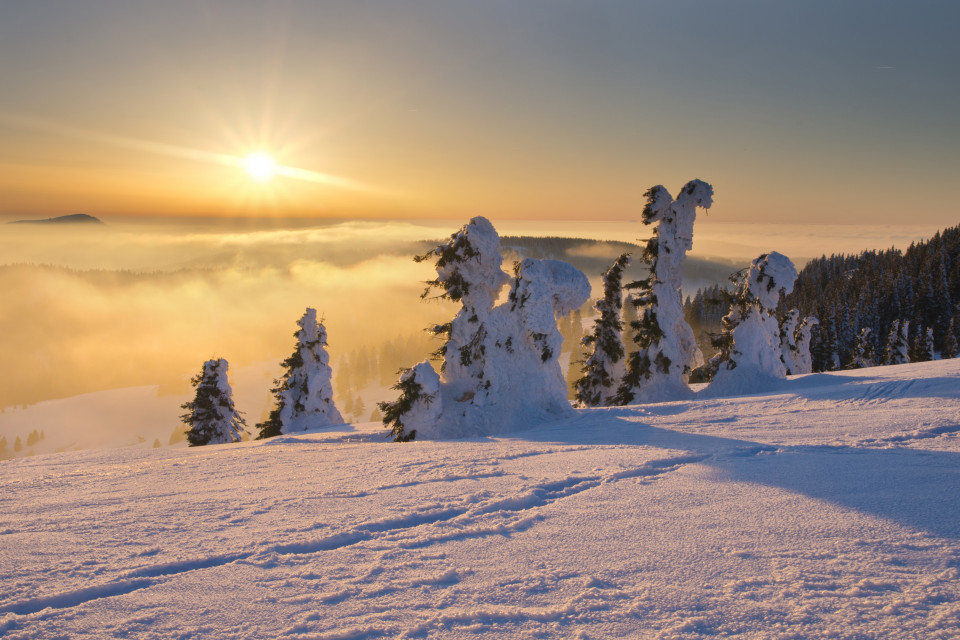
(822, 508)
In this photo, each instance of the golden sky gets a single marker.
(544, 109)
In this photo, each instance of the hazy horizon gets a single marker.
(813, 112)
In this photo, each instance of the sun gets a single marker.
(260, 166)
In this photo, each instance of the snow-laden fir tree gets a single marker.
(303, 394)
(866, 352)
(500, 368)
(898, 351)
(667, 350)
(788, 340)
(418, 403)
(211, 416)
(951, 346)
(802, 358)
(754, 353)
(604, 367)
(924, 348)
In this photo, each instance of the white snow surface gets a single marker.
(826, 507)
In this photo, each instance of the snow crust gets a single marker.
(821, 509)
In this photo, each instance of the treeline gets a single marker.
(6, 451)
(882, 291)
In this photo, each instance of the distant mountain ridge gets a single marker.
(76, 218)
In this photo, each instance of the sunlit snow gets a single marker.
(824, 508)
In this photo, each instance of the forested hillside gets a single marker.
(879, 290)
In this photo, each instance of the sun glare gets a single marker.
(259, 166)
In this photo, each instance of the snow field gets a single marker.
(824, 508)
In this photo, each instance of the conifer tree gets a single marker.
(865, 355)
(950, 345)
(803, 360)
(17, 445)
(897, 343)
(604, 367)
(627, 322)
(4, 447)
(753, 353)
(178, 435)
(667, 351)
(303, 394)
(500, 362)
(788, 340)
(419, 389)
(925, 349)
(211, 416)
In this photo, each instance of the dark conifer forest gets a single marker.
(879, 290)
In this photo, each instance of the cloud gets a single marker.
(134, 306)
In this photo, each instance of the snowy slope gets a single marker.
(827, 508)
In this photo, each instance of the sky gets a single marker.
(797, 112)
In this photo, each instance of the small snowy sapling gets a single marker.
(418, 403)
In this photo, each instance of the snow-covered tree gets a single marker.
(802, 359)
(924, 348)
(211, 416)
(500, 368)
(303, 394)
(418, 404)
(788, 340)
(604, 367)
(667, 351)
(866, 352)
(897, 344)
(755, 354)
(630, 316)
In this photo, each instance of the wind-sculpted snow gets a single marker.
(823, 508)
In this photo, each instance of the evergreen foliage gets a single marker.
(419, 389)
(603, 368)
(866, 352)
(918, 288)
(897, 351)
(211, 416)
(303, 394)
(666, 349)
(499, 362)
(752, 344)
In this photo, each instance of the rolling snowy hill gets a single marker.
(825, 508)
